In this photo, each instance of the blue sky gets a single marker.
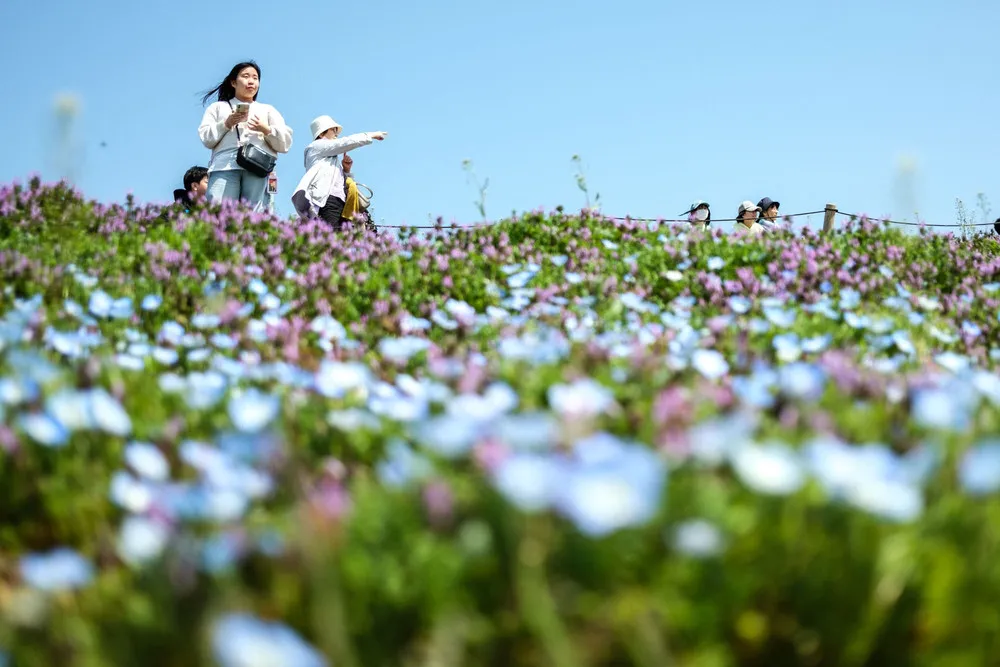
(884, 108)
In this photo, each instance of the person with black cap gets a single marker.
(699, 215)
(768, 213)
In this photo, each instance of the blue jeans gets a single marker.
(237, 184)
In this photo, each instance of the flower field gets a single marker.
(558, 440)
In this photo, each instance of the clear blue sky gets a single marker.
(666, 102)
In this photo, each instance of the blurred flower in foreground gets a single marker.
(773, 469)
(697, 538)
(58, 570)
(241, 640)
(979, 469)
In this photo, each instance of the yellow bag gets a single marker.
(351, 200)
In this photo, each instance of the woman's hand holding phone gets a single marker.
(236, 117)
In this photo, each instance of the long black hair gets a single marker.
(225, 89)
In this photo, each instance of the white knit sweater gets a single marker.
(223, 141)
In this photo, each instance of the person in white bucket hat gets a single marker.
(746, 220)
(321, 190)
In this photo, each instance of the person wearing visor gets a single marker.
(699, 215)
(746, 220)
(768, 214)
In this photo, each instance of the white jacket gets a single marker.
(324, 176)
(223, 141)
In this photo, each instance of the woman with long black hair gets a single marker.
(244, 135)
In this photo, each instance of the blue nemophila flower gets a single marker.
(142, 539)
(944, 336)
(802, 380)
(712, 441)
(979, 469)
(856, 321)
(43, 429)
(740, 304)
(408, 324)
(334, 379)
(710, 363)
(849, 299)
(402, 466)
(165, 355)
(450, 436)
(131, 494)
(241, 640)
(715, 263)
(633, 301)
(272, 303)
(559, 260)
(327, 327)
(202, 502)
(755, 390)
(221, 551)
(611, 485)
(107, 413)
(398, 406)
(816, 344)
(956, 363)
(610, 245)
(947, 407)
(526, 430)
(697, 538)
(988, 385)
(252, 410)
(61, 569)
(18, 390)
(151, 302)
(353, 419)
(779, 317)
(171, 332)
(461, 311)
(130, 362)
(205, 321)
(573, 278)
(498, 399)
(673, 275)
(203, 390)
(880, 325)
(400, 350)
(121, 309)
(147, 461)
(520, 279)
(100, 303)
(928, 302)
(530, 482)
(440, 318)
(787, 347)
(869, 477)
(257, 287)
(582, 398)
(901, 339)
(772, 468)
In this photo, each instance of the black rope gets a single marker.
(854, 216)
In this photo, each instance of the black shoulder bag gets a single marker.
(254, 158)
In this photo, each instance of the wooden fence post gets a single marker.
(829, 214)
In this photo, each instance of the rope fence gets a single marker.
(829, 213)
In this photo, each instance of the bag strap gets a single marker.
(239, 139)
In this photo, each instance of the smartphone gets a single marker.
(243, 107)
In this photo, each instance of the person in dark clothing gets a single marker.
(996, 226)
(195, 186)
